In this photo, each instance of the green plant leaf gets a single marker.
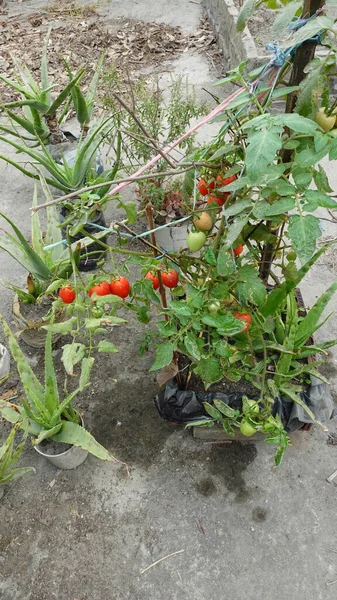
(209, 257)
(105, 346)
(264, 210)
(86, 368)
(262, 149)
(130, 211)
(181, 309)
(74, 434)
(209, 371)
(33, 263)
(224, 409)
(311, 88)
(309, 30)
(297, 123)
(309, 324)
(164, 355)
(191, 345)
(250, 287)
(303, 232)
(245, 13)
(226, 324)
(71, 355)
(62, 327)
(284, 16)
(237, 208)
(277, 296)
(316, 198)
(225, 263)
(233, 231)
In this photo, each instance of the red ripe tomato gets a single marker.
(219, 201)
(170, 278)
(120, 287)
(245, 317)
(238, 250)
(154, 279)
(204, 187)
(222, 181)
(67, 294)
(101, 289)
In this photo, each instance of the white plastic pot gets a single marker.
(70, 459)
(5, 361)
(172, 238)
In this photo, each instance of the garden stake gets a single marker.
(149, 216)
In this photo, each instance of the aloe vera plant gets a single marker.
(39, 119)
(42, 412)
(44, 266)
(9, 456)
(63, 176)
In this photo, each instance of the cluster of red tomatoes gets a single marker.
(118, 287)
(169, 278)
(210, 189)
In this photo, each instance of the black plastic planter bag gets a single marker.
(186, 406)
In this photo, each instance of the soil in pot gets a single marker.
(95, 252)
(53, 448)
(30, 319)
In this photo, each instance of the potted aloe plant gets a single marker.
(43, 110)
(56, 426)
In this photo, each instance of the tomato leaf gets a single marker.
(105, 346)
(303, 232)
(191, 345)
(261, 151)
(209, 370)
(164, 356)
(250, 287)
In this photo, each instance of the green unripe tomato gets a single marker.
(325, 121)
(333, 132)
(291, 255)
(214, 307)
(195, 240)
(247, 429)
(96, 312)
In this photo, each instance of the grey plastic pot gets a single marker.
(172, 238)
(70, 459)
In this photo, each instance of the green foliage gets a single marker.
(10, 455)
(42, 412)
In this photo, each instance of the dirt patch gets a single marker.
(229, 464)
(127, 44)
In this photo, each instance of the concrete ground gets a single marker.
(236, 526)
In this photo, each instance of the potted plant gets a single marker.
(46, 261)
(56, 426)
(43, 111)
(240, 329)
(153, 121)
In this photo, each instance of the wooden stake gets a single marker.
(150, 220)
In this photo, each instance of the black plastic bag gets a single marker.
(186, 406)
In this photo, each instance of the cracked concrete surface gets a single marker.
(248, 531)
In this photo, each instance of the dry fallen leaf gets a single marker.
(167, 373)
